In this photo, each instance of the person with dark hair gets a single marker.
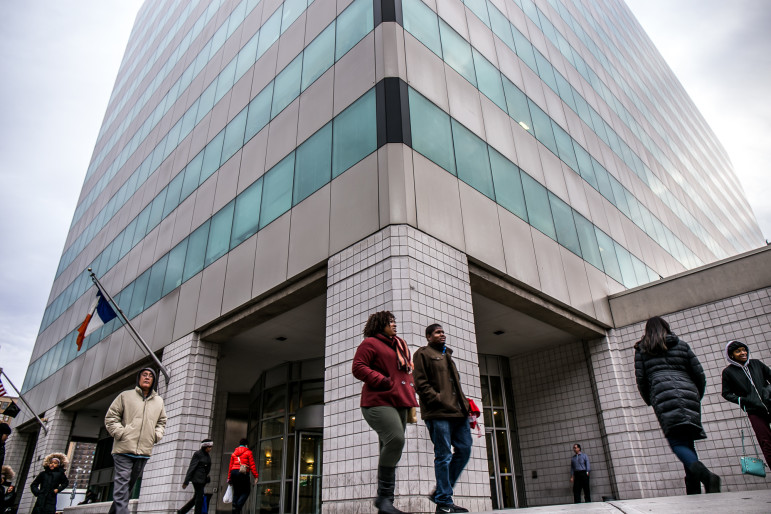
(746, 382)
(383, 362)
(445, 409)
(5, 431)
(579, 475)
(672, 381)
(7, 491)
(241, 465)
(49, 483)
(198, 475)
(136, 420)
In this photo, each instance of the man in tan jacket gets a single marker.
(136, 420)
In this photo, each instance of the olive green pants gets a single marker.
(389, 423)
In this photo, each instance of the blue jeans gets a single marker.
(447, 434)
(684, 450)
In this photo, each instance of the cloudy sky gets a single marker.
(59, 59)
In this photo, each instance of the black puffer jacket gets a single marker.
(673, 383)
(48, 481)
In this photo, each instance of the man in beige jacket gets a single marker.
(136, 420)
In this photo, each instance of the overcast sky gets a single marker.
(59, 59)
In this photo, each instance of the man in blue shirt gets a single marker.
(579, 475)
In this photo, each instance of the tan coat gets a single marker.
(438, 385)
(136, 423)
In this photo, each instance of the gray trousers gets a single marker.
(389, 423)
(127, 471)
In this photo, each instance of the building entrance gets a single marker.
(507, 485)
(286, 416)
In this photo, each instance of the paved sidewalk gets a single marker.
(743, 502)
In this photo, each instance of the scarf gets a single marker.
(399, 345)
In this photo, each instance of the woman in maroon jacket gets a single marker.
(383, 363)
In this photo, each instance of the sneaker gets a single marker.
(432, 495)
(449, 508)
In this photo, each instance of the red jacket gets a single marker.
(242, 456)
(384, 384)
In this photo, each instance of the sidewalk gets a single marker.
(742, 502)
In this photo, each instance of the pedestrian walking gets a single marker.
(579, 475)
(241, 466)
(746, 382)
(49, 483)
(136, 420)
(672, 381)
(198, 475)
(382, 361)
(445, 410)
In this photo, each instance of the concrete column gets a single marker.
(189, 399)
(59, 425)
(421, 281)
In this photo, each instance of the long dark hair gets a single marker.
(377, 322)
(654, 340)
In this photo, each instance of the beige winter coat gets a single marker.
(136, 423)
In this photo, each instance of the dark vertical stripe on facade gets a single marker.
(393, 112)
(387, 10)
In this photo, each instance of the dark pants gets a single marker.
(125, 475)
(685, 450)
(581, 483)
(241, 487)
(197, 500)
(390, 424)
(448, 434)
(760, 424)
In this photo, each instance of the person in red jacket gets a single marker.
(241, 464)
(383, 362)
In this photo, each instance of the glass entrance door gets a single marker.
(308, 473)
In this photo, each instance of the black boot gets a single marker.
(710, 480)
(692, 484)
(386, 483)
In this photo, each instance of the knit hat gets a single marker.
(207, 442)
(735, 345)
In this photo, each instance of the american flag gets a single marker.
(2, 389)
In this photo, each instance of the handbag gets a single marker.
(751, 465)
(228, 498)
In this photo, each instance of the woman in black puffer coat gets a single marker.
(49, 483)
(671, 380)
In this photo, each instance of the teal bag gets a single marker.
(751, 465)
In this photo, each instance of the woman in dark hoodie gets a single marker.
(49, 483)
(383, 362)
(746, 382)
(671, 380)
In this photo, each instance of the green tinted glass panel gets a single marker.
(259, 112)
(542, 127)
(155, 285)
(545, 71)
(585, 165)
(140, 292)
(524, 49)
(174, 268)
(537, 202)
(192, 176)
(489, 80)
(269, 32)
(247, 214)
(287, 85)
(156, 210)
(590, 250)
(508, 184)
(319, 56)
(431, 132)
(608, 254)
(354, 133)
(292, 9)
(640, 270)
(196, 251)
(457, 52)
(172, 195)
(565, 147)
(219, 234)
(564, 224)
(603, 180)
(313, 166)
(277, 190)
(234, 136)
(516, 101)
(212, 155)
(627, 268)
(422, 22)
(352, 25)
(472, 160)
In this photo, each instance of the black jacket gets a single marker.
(198, 471)
(43, 487)
(736, 385)
(673, 383)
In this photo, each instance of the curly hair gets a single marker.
(377, 322)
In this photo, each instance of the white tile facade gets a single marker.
(421, 281)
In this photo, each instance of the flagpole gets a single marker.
(2, 373)
(138, 338)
